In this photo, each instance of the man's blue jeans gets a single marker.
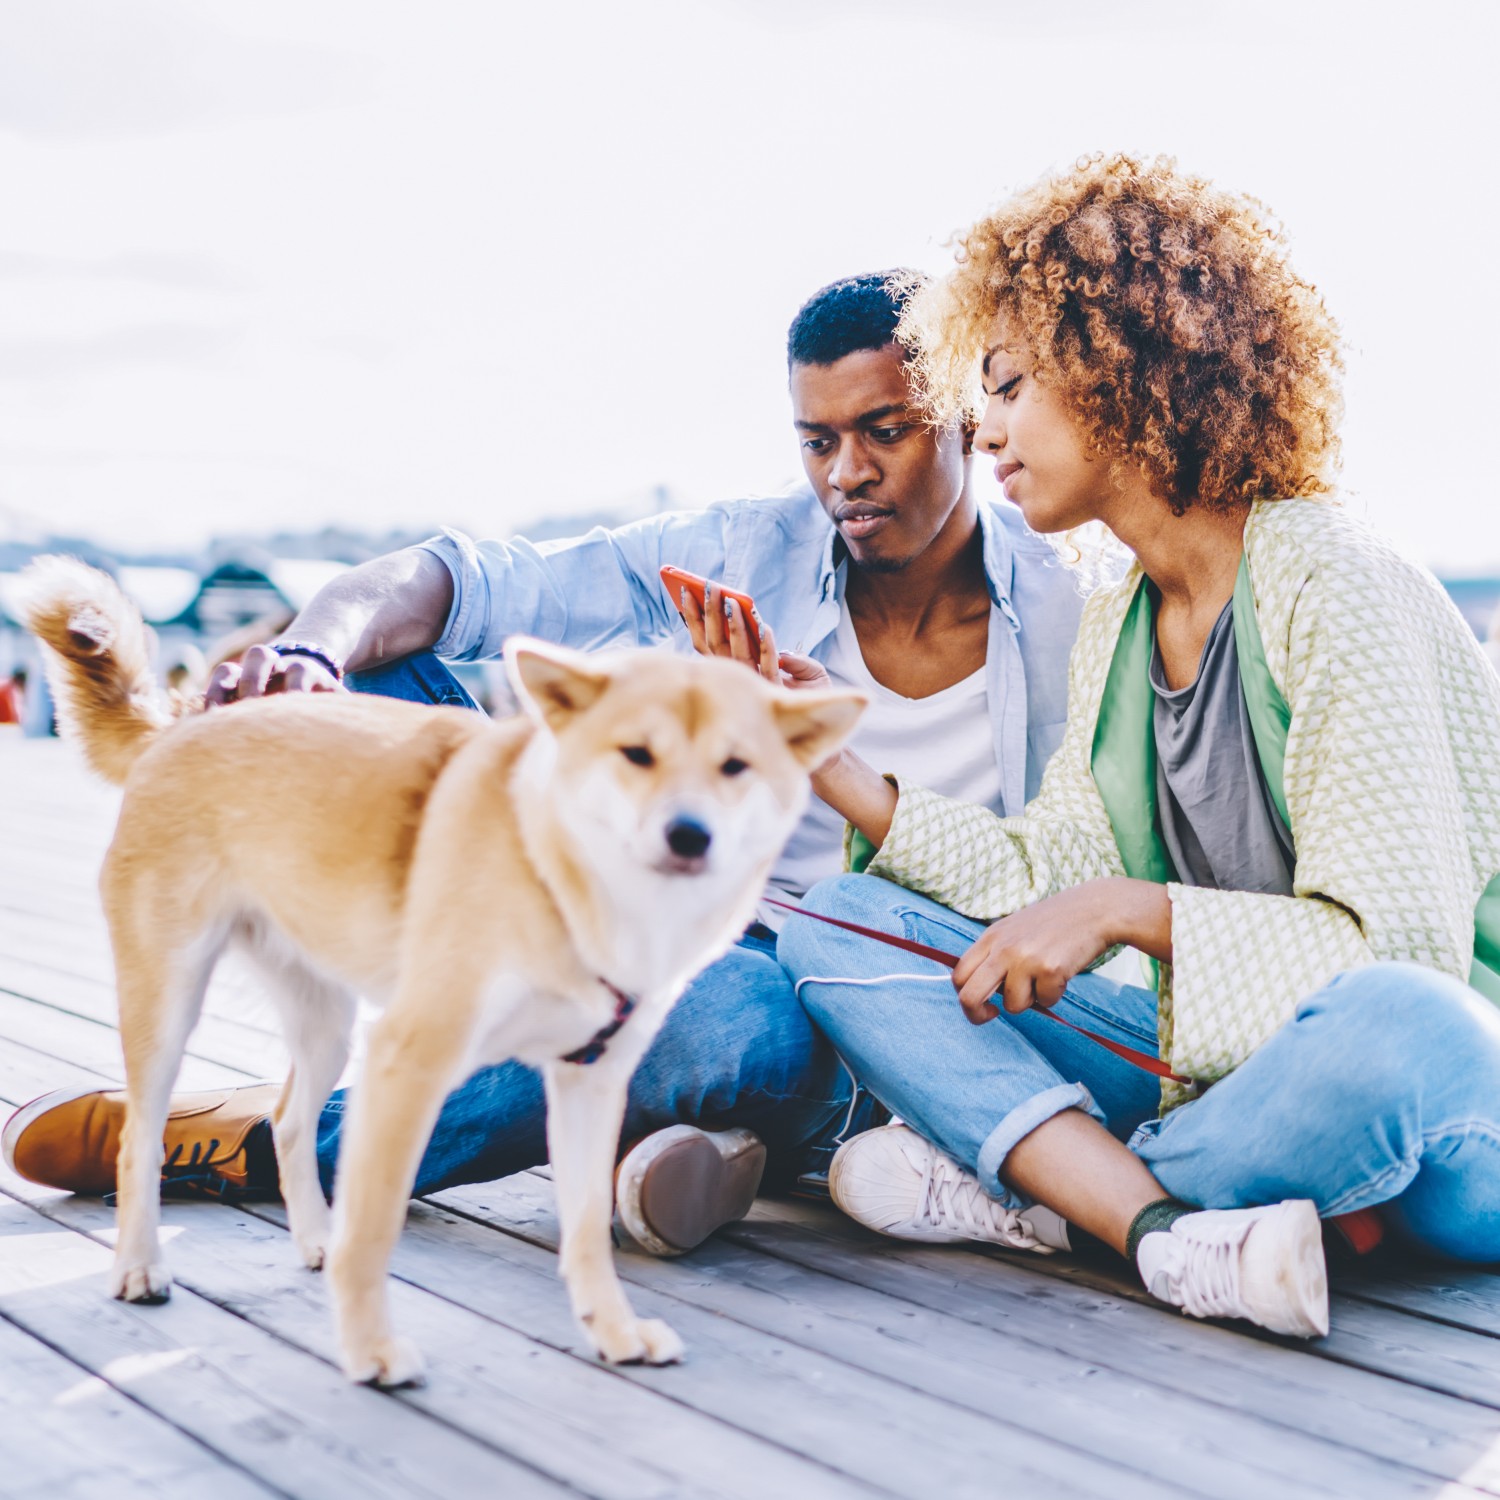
(1383, 1090)
(736, 1050)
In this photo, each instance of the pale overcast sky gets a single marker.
(410, 264)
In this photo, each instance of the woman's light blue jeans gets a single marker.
(1384, 1090)
(736, 1050)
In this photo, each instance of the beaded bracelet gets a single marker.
(300, 648)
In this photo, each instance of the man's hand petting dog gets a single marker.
(263, 671)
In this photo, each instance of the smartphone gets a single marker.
(674, 580)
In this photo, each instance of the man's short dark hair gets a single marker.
(859, 312)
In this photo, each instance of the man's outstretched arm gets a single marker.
(375, 613)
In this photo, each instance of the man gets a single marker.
(953, 618)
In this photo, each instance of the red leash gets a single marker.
(1363, 1229)
(1135, 1058)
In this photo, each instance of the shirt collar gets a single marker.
(999, 561)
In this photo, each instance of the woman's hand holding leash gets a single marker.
(1029, 957)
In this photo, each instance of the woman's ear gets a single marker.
(969, 440)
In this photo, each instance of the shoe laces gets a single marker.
(951, 1198)
(196, 1174)
(1204, 1273)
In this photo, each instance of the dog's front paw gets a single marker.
(312, 1250)
(312, 1229)
(391, 1362)
(636, 1341)
(136, 1283)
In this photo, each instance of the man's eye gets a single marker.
(638, 755)
(888, 434)
(816, 445)
(734, 765)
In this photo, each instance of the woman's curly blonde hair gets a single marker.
(1164, 313)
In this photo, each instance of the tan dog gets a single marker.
(539, 888)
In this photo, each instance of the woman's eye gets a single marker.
(1008, 390)
(638, 755)
(734, 765)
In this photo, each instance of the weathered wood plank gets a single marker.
(868, 1427)
(567, 1417)
(215, 1039)
(26, 1073)
(1413, 1349)
(855, 1418)
(66, 1435)
(1078, 1402)
(1465, 1297)
(1364, 1410)
(255, 1401)
(93, 1045)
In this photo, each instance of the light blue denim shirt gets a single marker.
(603, 589)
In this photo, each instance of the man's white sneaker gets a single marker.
(678, 1185)
(893, 1181)
(1261, 1264)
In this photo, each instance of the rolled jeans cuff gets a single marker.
(1018, 1124)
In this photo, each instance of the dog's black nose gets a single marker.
(687, 838)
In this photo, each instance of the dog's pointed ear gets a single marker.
(816, 724)
(552, 683)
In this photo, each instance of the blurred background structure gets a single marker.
(290, 284)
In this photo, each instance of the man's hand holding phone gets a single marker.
(724, 622)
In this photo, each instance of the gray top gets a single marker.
(1215, 810)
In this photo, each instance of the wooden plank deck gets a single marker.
(823, 1361)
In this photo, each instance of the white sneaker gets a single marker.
(893, 1181)
(1261, 1264)
(678, 1185)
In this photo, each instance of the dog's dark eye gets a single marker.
(734, 765)
(638, 755)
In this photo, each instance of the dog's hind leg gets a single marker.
(317, 1015)
(161, 987)
(585, 1109)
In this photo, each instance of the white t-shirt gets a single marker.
(944, 741)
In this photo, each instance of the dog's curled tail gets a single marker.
(98, 661)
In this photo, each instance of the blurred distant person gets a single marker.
(886, 569)
(13, 697)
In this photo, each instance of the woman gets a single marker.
(1280, 780)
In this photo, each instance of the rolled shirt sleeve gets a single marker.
(592, 591)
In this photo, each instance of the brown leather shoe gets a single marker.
(71, 1138)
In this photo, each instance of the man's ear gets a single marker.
(552, 683)
(816, 724)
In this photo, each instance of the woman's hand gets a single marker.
(721, 629)
(1029, 958)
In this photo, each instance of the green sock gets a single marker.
(1162, 1214)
